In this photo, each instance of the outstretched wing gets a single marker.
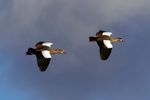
(104, 51)
(43, 59)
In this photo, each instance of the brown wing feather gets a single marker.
(99, 33)
(39, 43)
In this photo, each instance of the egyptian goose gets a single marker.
(43, 53)
(104, 41)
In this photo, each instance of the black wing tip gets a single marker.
(105, 53)
(105, 56)
(101, 31)
(39, 43)
(104, 59)
(42, 70)
(43, 63)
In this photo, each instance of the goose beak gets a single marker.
(122, 40)
(63, 52)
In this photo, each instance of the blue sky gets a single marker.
(79, 74)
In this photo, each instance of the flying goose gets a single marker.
(43, 51)
(104, 41)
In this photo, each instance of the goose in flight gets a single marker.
(43, 52)
(104, 41)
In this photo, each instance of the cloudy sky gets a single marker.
(79, 74)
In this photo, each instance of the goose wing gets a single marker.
(43, 59)
(104, 50)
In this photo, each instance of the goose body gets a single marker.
(43, 52)
(104, 41)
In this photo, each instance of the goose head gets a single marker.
(120, 40)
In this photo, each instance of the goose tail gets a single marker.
(92, 39)
(30, 51)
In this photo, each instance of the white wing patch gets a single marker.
(107, 33)
(46, 54)
(47, 44)
(107, 43)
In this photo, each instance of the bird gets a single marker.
(43, 52)
(104, 41)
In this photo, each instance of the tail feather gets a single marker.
(92, 39)
(30, 51)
